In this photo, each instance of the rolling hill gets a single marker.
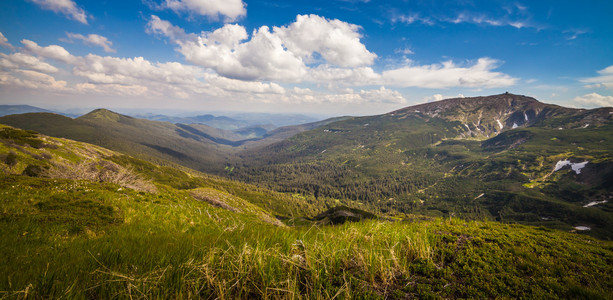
(196, 146)
(152, 140)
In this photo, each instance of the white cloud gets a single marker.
(383, 95)
(230, 9)
(32, 80)
(448, 74)
(66, 7)
(263, 57)
(347, 96)
(94, 40)
(405, 51)
(130, 76)
(439, 97)
(278, 54)
(25, 61)
(347, 76)
(164, 28)
(595, 99)
(4, 42)
(318, 50)
(412, 18)
(605, 79)
(515, 18)
(53, 51)
(573, 34)
(336, 41)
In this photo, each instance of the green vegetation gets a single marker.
(181, 234)
(77, 239)
(411, 162)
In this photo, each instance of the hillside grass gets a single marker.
(79, 239)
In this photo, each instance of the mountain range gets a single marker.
(426, 201)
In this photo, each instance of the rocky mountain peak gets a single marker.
(488, 115)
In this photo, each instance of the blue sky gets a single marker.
(329, 57)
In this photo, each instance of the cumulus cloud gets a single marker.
(263, 57)
(123, 76)
(604, 80)
(53, 51)
(17, 61)
(595, 99)
(92, 40)
(231, 10)
(280, 53)
(32, 80)
(4, 42)
(346, 76)
(66, 7)
(315, 49)
(449, 74)
(336, 41)
(164, 28)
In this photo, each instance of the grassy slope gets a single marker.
(63, 238)
(97, 239)
(413, 164)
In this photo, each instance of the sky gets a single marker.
(332, 57)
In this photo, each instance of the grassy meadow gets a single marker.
(79, 239)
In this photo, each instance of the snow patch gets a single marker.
(574, 166)
(593, 203)
(515, 125)
(526, 117)
(578, 166)
(586, 125)
(500, 124)
(582, 228)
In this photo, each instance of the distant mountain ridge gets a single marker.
(19, 109)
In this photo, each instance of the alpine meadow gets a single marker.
(340, 149)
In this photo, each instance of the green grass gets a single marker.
(77, 239)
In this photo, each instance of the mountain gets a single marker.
(220, 122)
(151, 140)
(235, 121)
(19, 109)
(457, 157)
(81, 221)
(196, 146)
